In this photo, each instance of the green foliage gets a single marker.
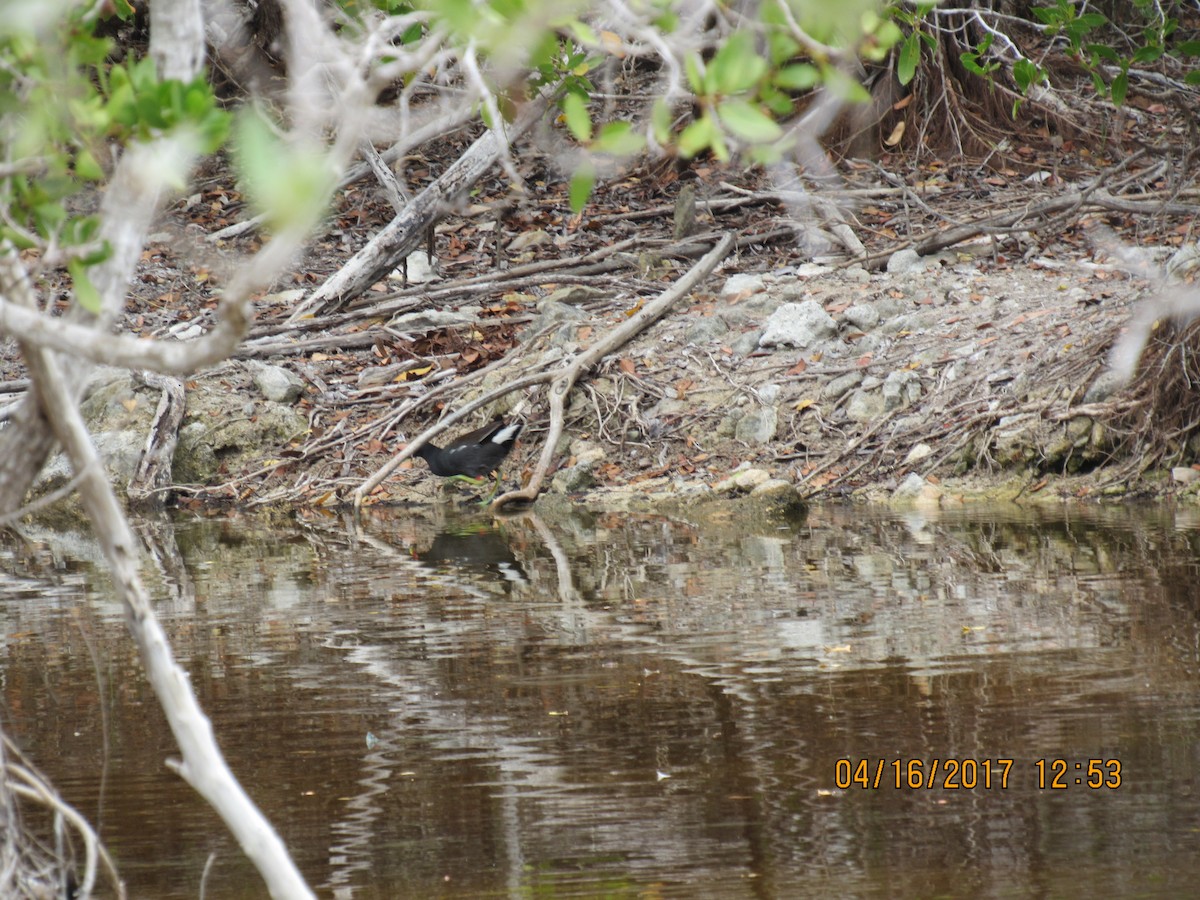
(1079, 26)
(976, 61)
(1157, 27)
(64, 112)
(741, 88)
(583, 182)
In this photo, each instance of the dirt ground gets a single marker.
(964, 367)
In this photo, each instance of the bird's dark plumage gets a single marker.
(473, 455)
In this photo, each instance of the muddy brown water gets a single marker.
(623, 706)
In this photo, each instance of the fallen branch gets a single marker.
(405, 232)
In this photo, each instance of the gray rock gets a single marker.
(910, 486)
(277, 384)
(576, 294)
(705, 329)
(773, 487)
(213, 443)
(743, 478)
(114, 401)
(747, 343)
(1184, 474)
(768, 393)
(840, 386)
(900, 389)
(798, 325)
(581, 475)
(528, 239)
(1184, 261)
(862, 316)
(864, 406)
(119, 451)
(916, 490)
(918, 453)
(811, 270)
(757, 426)
(743, 284)
(905, 262)
(1105, 385)
(416, 270)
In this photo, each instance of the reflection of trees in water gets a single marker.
(659, 701)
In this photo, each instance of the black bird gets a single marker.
(473, 455)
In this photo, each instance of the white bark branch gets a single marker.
(203, 765)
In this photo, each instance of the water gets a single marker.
(640, 707)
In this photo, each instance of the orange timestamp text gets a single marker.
(969, 774)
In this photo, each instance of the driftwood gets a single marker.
(405, 232)
(153, 472)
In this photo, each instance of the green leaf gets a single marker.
(619, 139)
(1147, 54)
(748, 122)
(842, 85)
(85, 291)
(1191, 78)
(695, 73)
(1103, 51)
(910, 55)
(582, 184)
(86, 166)
(1120, 87)
(697, 137)
(781, 46)
(289, 183)
(48, 217)
(736, 67)
(1187, 48)
(660, 121)
(666, 22)
(1026, 73)
(888, 34)
(765, 154)
(575, 113)
(583, 33)
(779, 103)
(81, 230)
(798, 77)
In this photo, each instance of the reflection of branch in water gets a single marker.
(567, 591)
(354, 835)
(157, 533)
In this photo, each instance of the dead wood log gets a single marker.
(405, 232)
(153, 472)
